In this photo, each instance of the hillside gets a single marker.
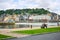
(19, 11)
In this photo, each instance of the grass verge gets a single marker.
(2, 37)
(38, 31)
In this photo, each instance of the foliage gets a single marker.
(19, 11)
(4, 37)
(39, 31)
(2, 12)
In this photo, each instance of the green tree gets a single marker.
(2, 12)
(9, 11)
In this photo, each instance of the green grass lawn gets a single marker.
(38, 31)
(4, 37)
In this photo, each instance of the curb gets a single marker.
(7, 38)
(43, 33)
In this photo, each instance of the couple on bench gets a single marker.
(44, 25)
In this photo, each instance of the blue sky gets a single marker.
(53, 5)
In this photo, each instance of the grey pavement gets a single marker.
(51, 36)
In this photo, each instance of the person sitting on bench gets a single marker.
(44, 25)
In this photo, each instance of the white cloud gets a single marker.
(7, 4)
(17, 4)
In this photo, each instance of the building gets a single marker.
(39, 18)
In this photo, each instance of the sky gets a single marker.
(53, 5)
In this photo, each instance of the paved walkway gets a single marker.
(52, 36)
(8, 31)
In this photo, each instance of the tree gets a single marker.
(30, 11)
(9, 11)
(17, 11)
(2, 12)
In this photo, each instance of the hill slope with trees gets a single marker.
(19, 11)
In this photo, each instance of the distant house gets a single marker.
(2, 16)
(59, 17)
(40, 17)
(50, 16)
(8, 19)
(26, 16)
(53, 16)
(17, 18)
(1, 19)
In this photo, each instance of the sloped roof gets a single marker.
(53, 13)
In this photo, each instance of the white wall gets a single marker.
(40, 17)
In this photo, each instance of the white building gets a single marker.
(39, 17)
